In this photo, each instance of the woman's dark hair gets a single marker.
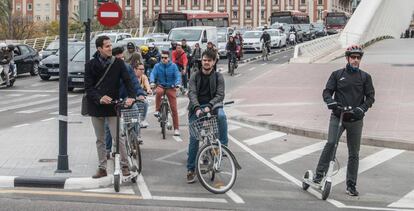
(211, 54)
(100, 40)
(117, 51)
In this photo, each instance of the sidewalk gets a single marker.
(289, 99)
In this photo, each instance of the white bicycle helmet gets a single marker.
(3, 45)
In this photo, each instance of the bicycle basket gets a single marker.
(204, 126)
(134, 114)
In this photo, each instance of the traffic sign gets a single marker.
(109, 14)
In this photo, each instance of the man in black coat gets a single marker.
(347, 87)
(99, 99)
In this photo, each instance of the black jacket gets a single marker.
(231, 46)
(265, 37)
(216, 90)
(351, 89)
(110, 85)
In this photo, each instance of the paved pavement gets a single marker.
(289, 97)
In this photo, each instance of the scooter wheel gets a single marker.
(134, 179)
(117, 182)
(326, 190)
(169, 127)
(305, 185)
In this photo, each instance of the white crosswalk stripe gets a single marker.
(264, 138)
(46, 108)
(22, 99)
(295, 154)
(405, 202)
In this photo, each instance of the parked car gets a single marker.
(114, 36)
(163, 46)
(320, 29)
(277, 38)
(52, 48)
(138, 41)
(252, 41)
(309, 32)
(26, 59)
(76, 69)
(158, 37)
(50, 66)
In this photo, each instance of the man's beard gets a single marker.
(209, 69)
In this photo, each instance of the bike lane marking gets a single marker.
(246, 125)
(406, 202)
(264, 138)
(235, 197)
(143, 188)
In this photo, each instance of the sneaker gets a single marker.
(351, 190)
(190, 177)
(100, 173)
(157, 114)
(144, 124)
(176, 132)
(125, 171)
(317, 178)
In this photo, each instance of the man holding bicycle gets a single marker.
(106, 71)
(167, 76)
(206, 95)
(353, 87)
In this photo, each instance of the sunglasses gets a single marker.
(164, 57)
(355, 57)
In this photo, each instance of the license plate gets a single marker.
(77, 79)
(54, 70)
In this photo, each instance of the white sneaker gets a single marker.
(157, 114)
(176, 132)
(144, 124)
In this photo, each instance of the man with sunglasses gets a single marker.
(167, 76)
(349, 86)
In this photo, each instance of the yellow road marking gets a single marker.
(80, 194)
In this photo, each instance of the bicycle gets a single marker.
(164, 111)
(232, 62)
(213, 158)
(265, 52)
(128, 124)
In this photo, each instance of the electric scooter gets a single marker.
(325, 185)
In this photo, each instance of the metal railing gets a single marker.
(43, 42)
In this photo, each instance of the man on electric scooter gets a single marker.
(5, 59)
(353, 87)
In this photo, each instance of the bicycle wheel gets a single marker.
(117, 182)
(264, 52)
(136, 154)
(217, 179)
(164, 113)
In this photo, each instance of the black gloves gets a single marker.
(358, 113)
(332, 104)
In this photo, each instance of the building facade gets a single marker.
(43, 10)
(241, 12)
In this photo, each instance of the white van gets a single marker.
(194, 34)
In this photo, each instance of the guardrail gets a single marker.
(43, 42)
(313, 50)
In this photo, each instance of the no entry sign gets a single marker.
(109, 14)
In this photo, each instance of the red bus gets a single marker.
(289, 17)
(335, 21)
(167, 21)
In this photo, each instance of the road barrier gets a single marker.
(311, 51)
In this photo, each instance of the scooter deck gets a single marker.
(313, 184)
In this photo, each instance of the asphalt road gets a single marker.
(272, 165)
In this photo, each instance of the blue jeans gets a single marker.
(193, 145)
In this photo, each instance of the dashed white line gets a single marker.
(298, 153)
(264, 64)
(264, 138)
(252, 68)
(143, 188)
(246, 125)
(177, 139)
(22, 125)
(236, 198)
(45, 120)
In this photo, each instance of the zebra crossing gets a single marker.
(294, 160)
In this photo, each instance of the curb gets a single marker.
(271, 53)
(55, 182)
(319, 134)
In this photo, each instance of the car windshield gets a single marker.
(221, 30)
(221, 37)
(80, 56)
(53, 46)
(273, 33)
(72, 50)
(336, 20)
(188, 34)
(318, 26)
(305, 27)
(252, 34)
